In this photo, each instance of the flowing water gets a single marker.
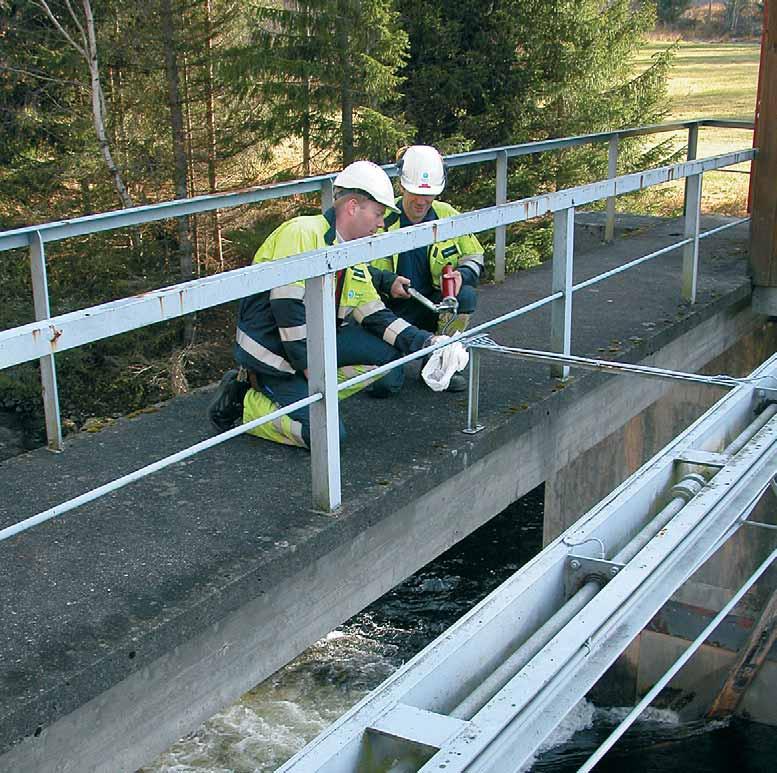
(275, 719)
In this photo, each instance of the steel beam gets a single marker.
(510, 727)
(322, 368)
(47, 337)
(500, 236)
(48, 369)
(691, 249)
(612, 171)
(561, 309)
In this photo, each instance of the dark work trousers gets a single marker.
(355, 346)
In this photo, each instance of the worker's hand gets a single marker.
(457, 277)
(398, 287)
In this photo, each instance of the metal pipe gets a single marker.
(20, 237)
(686, 489)
(626, 266)
(590, 363)
(131, 477)
(720, 228)
(676, 666)
(739, 442)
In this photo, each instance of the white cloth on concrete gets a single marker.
(443, 363)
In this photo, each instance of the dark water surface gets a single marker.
(273, 721)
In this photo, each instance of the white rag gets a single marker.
(443, 363)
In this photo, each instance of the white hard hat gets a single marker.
(421, 170)
(369, 178)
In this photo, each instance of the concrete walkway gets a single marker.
(104, 592)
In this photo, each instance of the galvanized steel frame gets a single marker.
(412, 709)
(47, 336)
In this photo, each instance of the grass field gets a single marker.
(710, 80)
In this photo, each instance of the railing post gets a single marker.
(561, 309)
(48, 371)
(693, 185)
(612, 171)
(324, 414)
(693, 148)
(473, 393)
(327, 194)
(500, 240)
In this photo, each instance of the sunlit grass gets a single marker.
(710, 80)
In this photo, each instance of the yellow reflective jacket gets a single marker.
(271, 332)
(461, 252)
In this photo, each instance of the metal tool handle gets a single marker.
(422, 299)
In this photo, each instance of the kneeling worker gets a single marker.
(271, 338)
(422, 178)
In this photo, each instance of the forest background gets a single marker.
(107, 104)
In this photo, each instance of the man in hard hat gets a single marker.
(422, 179)
(271, 337)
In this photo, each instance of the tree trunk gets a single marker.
(306, 126)
(179, 151)
(88, 49)
(211, 120)
(189, 153)
(346, 95)
(178, 135)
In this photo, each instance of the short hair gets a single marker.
(341, 195)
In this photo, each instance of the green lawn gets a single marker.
(712, 80)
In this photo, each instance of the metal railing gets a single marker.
(49, 335)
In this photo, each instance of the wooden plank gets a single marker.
(763, 235)
(748, 663)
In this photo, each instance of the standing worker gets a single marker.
(422, 178)
(271, 337)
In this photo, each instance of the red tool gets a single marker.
(448, 283)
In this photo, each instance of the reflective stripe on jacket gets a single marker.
(461, 252)
(271, 332)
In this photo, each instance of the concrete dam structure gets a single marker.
(136, 616)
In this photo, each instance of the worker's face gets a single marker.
(367, 219)
(416, 205)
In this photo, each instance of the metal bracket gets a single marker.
(582, 569)
(768, 393)
(473, 430)
(703, 458)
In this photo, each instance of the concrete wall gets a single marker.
(581, 483)
(563, 439)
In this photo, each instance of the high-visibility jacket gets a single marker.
(462, 252)
(271, 332)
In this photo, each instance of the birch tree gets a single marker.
(79, 32)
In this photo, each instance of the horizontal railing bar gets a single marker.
(105, 221)
(725, 227)
(591, 363)
(57, 334)
(626, 266)
(531, 307)
(107, 488)
(353, 381)
(541, 146)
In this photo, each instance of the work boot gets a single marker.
(458, 383)
(226, 407)
(447, 325)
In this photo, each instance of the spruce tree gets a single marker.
(521, 70)
(326, 72)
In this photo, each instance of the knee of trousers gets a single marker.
(390, 383)
(293, 429)
(468, 299)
